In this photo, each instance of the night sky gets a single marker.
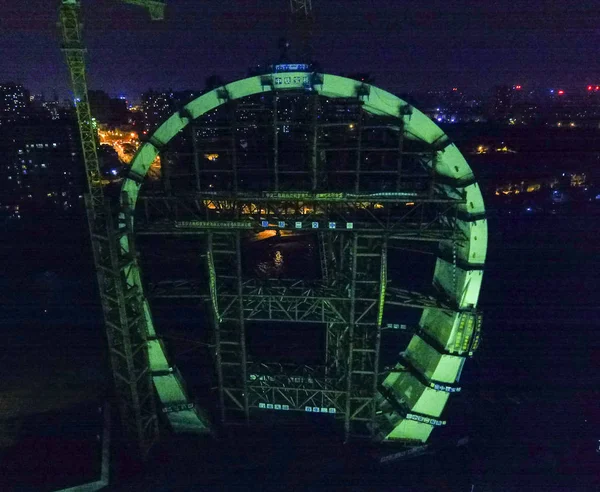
(406, 45)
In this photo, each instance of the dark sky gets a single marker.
(406, 45)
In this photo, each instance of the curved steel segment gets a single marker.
(435, 357)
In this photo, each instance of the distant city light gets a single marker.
(114, 172)
(454, 88)
(561, 92)
(589, 87)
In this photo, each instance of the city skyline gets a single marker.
(406, 49)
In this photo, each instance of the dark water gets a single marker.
(529, 403)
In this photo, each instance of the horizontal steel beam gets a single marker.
(288, 291)
(304, 197)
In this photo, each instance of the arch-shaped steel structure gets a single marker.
(446, 337)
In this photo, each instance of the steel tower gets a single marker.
(121, 302)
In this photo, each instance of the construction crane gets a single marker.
(301, 6)
(123, 306)
(302, 28)
(123, 313)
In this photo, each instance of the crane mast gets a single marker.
(122, 304)
(125, 309)
(302, 26)
(301, 7)
(74, 50)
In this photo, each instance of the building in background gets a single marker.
(157, 106)
(107, 110)
(41, 172)
(14, 102)
(502, 102)
(448, 106)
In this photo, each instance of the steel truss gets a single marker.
(294, 387)
(123, 308)
(351, 354)
(411, 218)
(352, 231)
(121, 301)
(296, 299)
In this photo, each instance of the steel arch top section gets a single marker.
(449, 163)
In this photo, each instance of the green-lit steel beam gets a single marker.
(74, 50)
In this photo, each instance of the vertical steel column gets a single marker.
(382, 290)
(432, 175)
(331, 260)
(276, 140)
(327, 355)
(216, 325)
(323, 255)
(342, 262)
(315, 138)
(350, 342)
(358, 151)
(196, 156)
(166, 172)
(400, 154)
(233, 148)
(240, 293)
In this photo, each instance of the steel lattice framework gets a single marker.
(363, 172)
(122, 302)
(301, 6)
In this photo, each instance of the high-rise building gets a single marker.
(52, 109)
(157, 106)
(14, 100)
(40, 167)
(502, 101)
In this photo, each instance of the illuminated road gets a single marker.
(126, 144)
